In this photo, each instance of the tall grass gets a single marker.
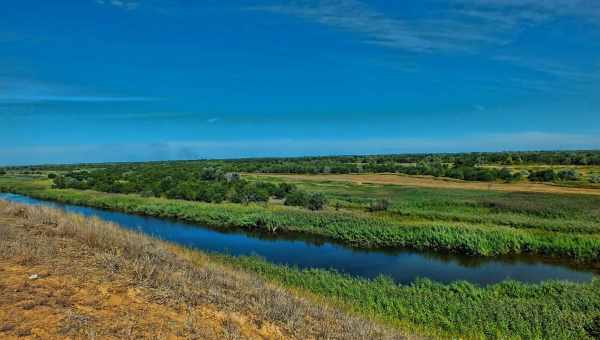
(357, 229)
(550, 310)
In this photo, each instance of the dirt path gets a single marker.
(432, 182)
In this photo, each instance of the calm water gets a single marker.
(403, 266)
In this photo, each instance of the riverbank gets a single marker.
(106, 253)
(68, 276)
(355, 229)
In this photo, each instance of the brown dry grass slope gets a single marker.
(433, 182)
(66, 276)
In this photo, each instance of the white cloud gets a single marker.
(17, 90)
(124, 4)
(454, 27)
(465, 23)
(355, 16)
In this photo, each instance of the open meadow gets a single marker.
(547, 222)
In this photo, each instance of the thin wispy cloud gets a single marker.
(535, 10)
(124, 4)
(78, 99)
(15, 90)
(549, 67)
(457, 26)
(465, 21)
(467, 24)
(357, 17)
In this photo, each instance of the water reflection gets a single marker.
(305, 251)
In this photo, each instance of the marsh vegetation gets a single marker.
(465, 217)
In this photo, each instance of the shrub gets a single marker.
(547, 175)
(505, 175)
(284, 189)
(456, 173)
(568, 175)
(595, 178)
(296, 198)
(593, 328)
(246, 194)
(316, 201)
(379, 205)
(51, 175)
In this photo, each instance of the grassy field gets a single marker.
(440, 183)
(470, 222)
(550, 212)
(191, 294)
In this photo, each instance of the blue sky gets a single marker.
(118, 80)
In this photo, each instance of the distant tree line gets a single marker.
(187, 183)
(359, 163)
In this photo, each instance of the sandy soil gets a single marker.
(70, 297)
(432, 182)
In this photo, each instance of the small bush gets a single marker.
(379, 205)
(568, 175)
(296, 198)
(593, 328)
(316, 201)
(505, 174)
(547, 175)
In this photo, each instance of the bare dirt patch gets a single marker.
(70, 297)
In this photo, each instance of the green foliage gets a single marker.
(550, 237)
(593, 327)
(311, 201)
(546, 175)
(438, 165)
(568, 175)
(381, 204)
(206, 185)
(316, 201)
(550, 310)
(249, 193)
(506, 175)
(296, 198)
(284, 189)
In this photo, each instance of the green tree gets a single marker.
(316, 201)
(296, 198)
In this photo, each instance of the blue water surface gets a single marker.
(402, 265)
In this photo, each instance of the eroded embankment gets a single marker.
(68, 276)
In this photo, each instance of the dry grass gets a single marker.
(96, 280)
(443, 183)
